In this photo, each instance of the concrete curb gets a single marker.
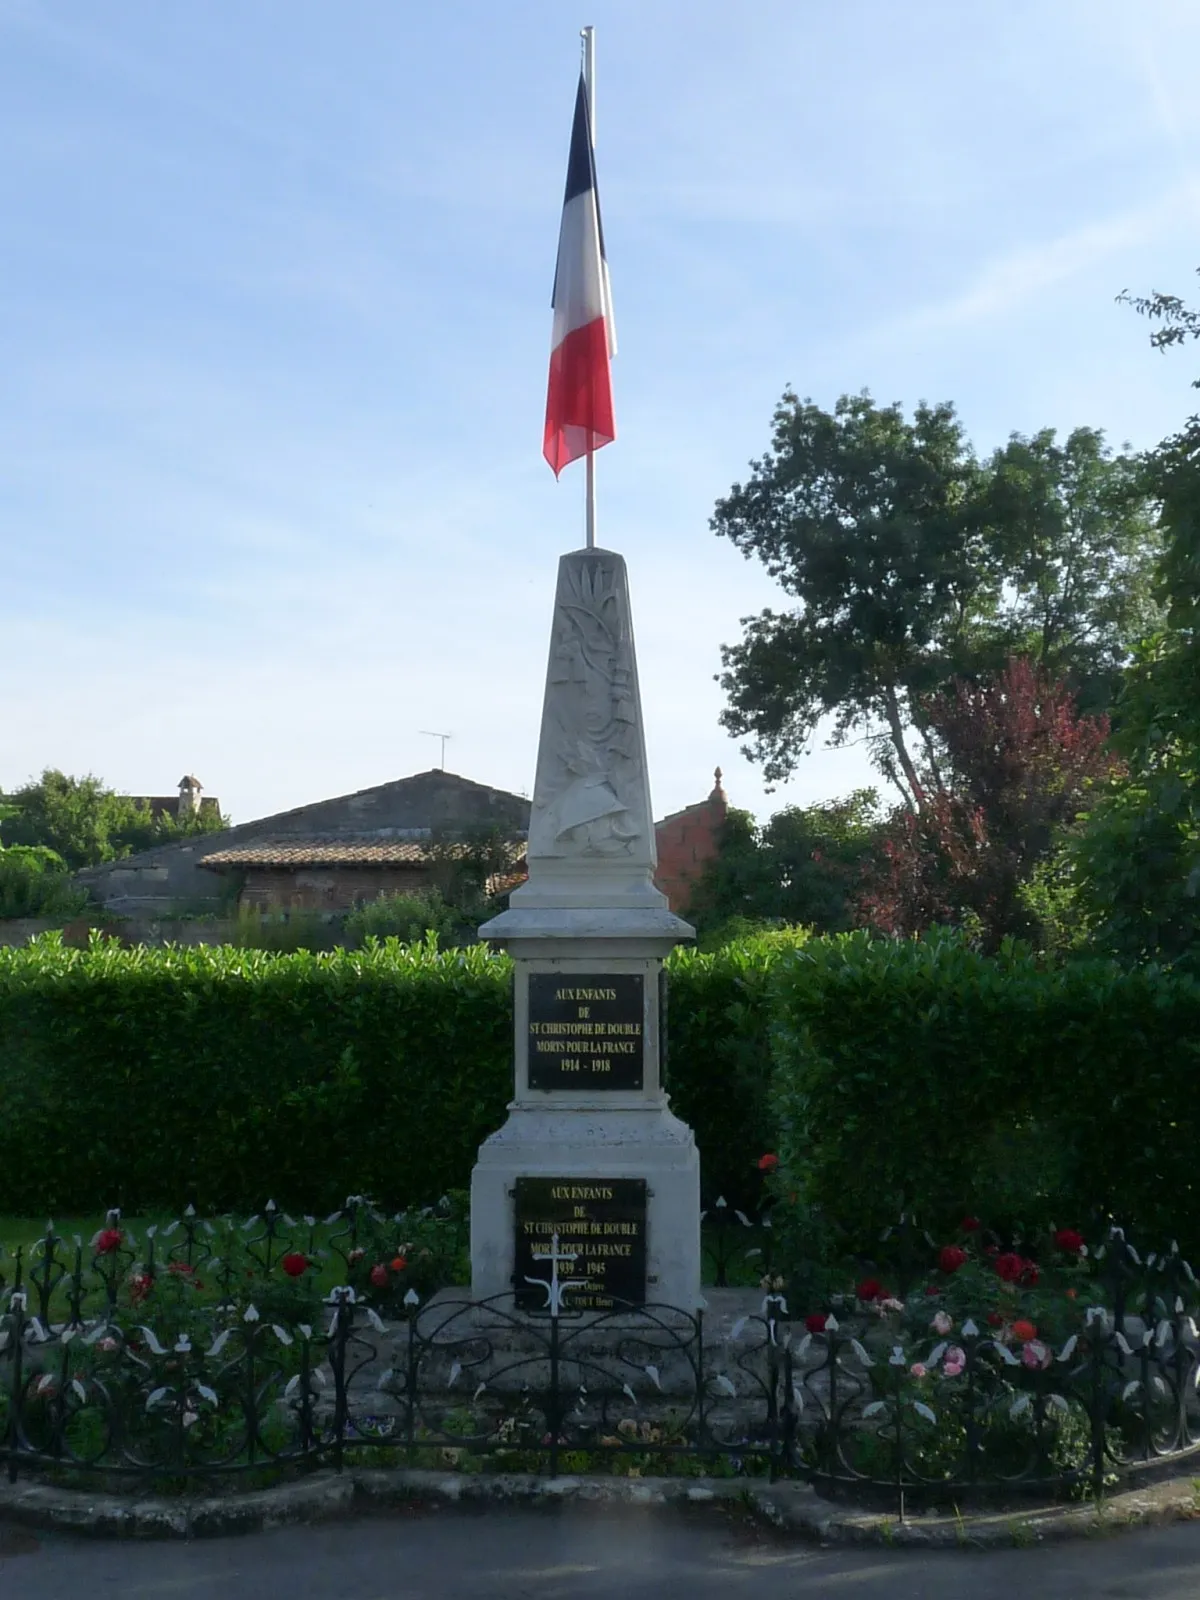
(792, 1508)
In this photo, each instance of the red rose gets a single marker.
(994, 1319)
(398, 1263)
(870, 1289)
(932, 1288)
(815, 1321)
(951, 1257)
(1009, 1266)
(108, 1240)
(1069, 1240)
(1029, 1274)
(768, 1163)
(969, 1225)
(294, 1264)
(140, 1286)
(379, 1275)
(1024, 1330)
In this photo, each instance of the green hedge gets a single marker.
(907, 1075)
(223, 1076)
(719, 1057)
(218, 1075)
(924, 1076)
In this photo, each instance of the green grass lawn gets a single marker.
(16, 1231)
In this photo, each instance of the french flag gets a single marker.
(579, 407)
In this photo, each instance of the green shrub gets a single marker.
(149, 1077)
(285, 932)
(34, 882)
(405, 917)
(719, 1056)
(145, 1078)
(918, 1076)
(921, 1076)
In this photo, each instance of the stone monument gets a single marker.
(591, 1153)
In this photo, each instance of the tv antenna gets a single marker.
(428, 733)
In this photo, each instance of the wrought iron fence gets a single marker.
(205, 1354)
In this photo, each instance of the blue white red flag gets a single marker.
(579, 407)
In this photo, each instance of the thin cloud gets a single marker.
(1001, 286)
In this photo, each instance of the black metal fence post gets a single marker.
(343, 1321)
(410, 1388)
(16, 1308)
(308, 1441)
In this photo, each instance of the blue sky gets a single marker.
(274, 315)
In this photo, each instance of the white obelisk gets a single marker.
(588, 933)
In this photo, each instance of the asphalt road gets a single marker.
(575, 1553)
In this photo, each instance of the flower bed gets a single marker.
(211, 1351)
(977, 1362)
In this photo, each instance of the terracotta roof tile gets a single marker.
(338, 850)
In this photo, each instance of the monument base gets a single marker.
(591, 1144)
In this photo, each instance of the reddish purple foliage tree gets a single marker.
(1018, 761)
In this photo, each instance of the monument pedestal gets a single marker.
(592, 1167)
(603, 1151)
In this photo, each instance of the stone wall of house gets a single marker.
(157, 881)
(19, 930)
(326, 888)
(130, 930)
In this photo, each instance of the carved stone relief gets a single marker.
(591, 797)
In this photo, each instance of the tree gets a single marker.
(1137, 857)
(34, 882)
(1019, 761)
(868, 521)
(1136, 860)
(802, 866)
(86, 823)
(911, 563)
(1075, 532)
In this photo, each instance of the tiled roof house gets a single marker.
(339, 853)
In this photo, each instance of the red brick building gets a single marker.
(688, 839)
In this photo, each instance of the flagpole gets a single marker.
(588, 36)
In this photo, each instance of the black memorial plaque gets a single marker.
(600, 1225)
(586, 1030)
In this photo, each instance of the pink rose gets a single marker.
(1036, 1354)
(942, 1323)
(955, 1362)
(919, 1370)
